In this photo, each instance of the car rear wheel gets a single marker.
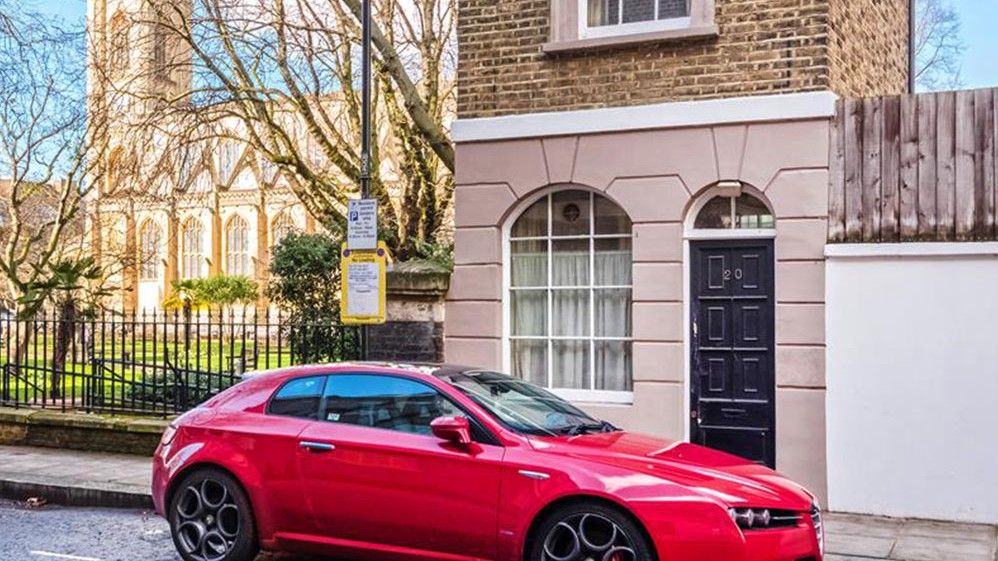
(211, 519)
(588, 532)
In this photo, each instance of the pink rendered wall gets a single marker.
(655, 176)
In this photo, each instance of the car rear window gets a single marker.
(298, 398)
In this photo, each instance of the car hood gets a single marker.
(730, 479)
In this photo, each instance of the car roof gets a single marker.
(436, 370)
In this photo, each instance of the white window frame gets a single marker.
(615, 30)
(574, 395)
(693, 233)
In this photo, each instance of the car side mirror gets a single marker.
(456, 430)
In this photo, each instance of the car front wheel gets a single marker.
(210, 518)
(588, 532)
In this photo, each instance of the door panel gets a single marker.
(403, 490)
(732, 347)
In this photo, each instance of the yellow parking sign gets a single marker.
(364, 285)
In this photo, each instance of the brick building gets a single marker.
(642, 206)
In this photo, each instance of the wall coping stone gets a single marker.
(418, 279)
(44, 417)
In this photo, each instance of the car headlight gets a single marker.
(819, 527)
(763, 518)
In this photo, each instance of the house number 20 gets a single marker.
(738, 274)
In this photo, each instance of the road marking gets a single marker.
(62, 556)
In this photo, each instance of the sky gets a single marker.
(977, 16)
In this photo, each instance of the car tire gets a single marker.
(580, 531)
(211, 518)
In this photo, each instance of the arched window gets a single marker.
(228, 157)
(268, 171)
(736, 210)
(281, 227)
(570, 293)
(149, 251)
(186, 161)
(192, 249)
(237, 247)
(114, 171)
(119, 51)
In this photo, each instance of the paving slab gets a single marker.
(75, 478)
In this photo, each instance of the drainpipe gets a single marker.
(911, 45)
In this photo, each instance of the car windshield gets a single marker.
(524, 407)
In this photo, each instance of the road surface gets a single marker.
(55, 533)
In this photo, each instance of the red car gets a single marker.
(381, 461)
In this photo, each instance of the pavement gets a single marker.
(88, 479)
(68, 477)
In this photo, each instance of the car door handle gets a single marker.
(317, 447)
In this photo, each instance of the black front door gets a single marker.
(732, 347)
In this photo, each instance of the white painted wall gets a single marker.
(912, 403)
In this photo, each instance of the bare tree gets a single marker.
(47, 149)
(282, 75)
(938, 45)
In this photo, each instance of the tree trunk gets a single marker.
(65, 328)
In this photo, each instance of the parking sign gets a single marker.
(362, 224)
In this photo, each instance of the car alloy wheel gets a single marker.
(211, 519)
(588, 536)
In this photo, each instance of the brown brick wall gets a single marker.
(868, 47)
(764, 47)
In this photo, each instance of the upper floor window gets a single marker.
(159, 39)
(570, 293)
(237, 247)
(582, 24)
(149, 251)
(186, 159)
(648, 14)
(119, 51)
(228, 158)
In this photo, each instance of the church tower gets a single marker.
(136, 64)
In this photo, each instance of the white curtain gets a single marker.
(584, 310)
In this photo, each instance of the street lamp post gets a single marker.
(365, 117)
(365, 126)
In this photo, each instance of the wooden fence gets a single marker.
(914, 168)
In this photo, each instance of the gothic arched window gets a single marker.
(119, 48)
(192, 249)
(150, 237)
(237, 247)
(281, 227)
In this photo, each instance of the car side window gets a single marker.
(298, 398)
(385, 402)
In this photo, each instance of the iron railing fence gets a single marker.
(153, 363)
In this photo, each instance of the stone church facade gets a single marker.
(168, 208)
